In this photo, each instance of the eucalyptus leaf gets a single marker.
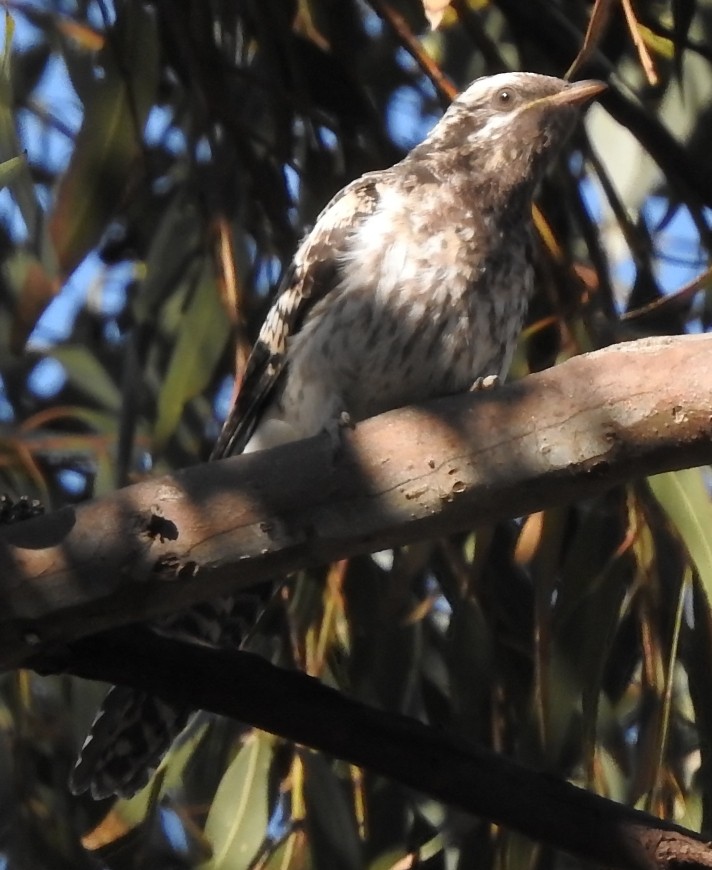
(685, 498)
(109, 141)
(11, 169)
(202, 336)
(237, 822)
(330, 819)
(88, 375)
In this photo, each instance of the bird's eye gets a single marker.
(505, 98)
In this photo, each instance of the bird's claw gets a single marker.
(488, 382)
(335, 431)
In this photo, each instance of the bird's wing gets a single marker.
(312, 274)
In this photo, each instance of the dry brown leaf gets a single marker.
(110, 829)
(529, 538)
(37, 290)
(81, 34)
(600, 17)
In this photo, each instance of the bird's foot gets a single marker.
(335, 430)
(488, 382)
(345, 422)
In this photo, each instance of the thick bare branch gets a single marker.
(473, 778)
(552, 438)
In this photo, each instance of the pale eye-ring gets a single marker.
(505, 98)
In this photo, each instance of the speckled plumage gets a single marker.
(415, 279)
(413, 283)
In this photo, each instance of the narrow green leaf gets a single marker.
(11, 169)
(133, 811)
(108, 142)
(6, 57)
(237, 822)
(469, 658)
(180, 754)
(590, 595)
(202, 335)
(86, 373)
(174, 248)
(20, 181)
(331, 822)
(662, 45)
(685, 499)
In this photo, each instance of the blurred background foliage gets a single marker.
(175, 152)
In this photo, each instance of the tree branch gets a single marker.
(473, 778)
(555, 437)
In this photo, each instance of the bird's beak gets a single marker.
(577, 93)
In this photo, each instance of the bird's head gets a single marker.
(509, 127)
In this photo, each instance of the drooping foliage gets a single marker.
(174, 153)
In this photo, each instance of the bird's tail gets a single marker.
(130, 736)
(133, 730)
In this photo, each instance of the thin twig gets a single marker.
(646, 60)
(677, 300)
(445, 88)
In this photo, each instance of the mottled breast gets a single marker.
(430, 295)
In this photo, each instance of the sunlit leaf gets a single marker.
(685, 498)
(10, 169)
(659, 44)
(174, 764)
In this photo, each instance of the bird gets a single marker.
(413, 283)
